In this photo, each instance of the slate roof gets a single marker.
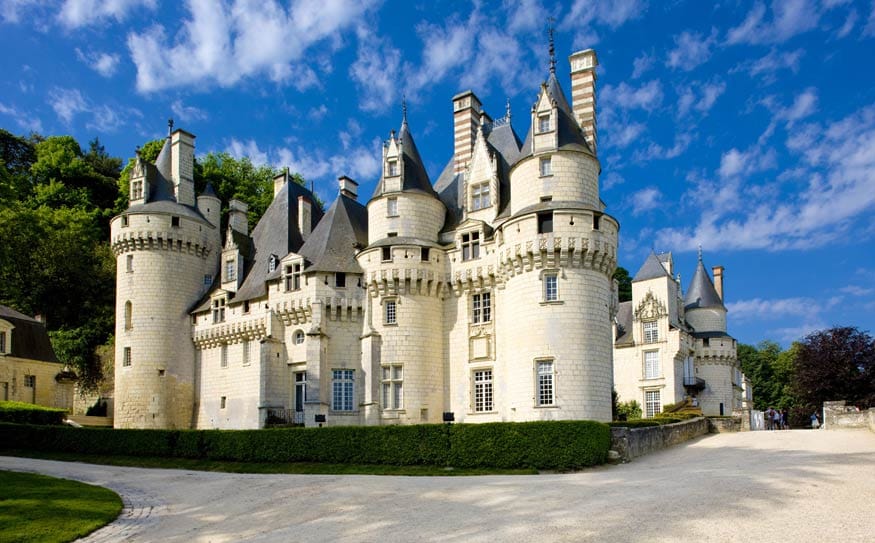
(651, 269)
(275, 234)
(415, 177)
(702, 292)
(624, 324)
(570, 135)
(29, 337)
(331, 246)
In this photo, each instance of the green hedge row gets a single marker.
(560, 445)
(27, 413)
(658, 420)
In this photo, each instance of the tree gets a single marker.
(624, 281)
(835, 364)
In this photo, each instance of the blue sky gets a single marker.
(748, 128)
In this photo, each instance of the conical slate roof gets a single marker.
(415, 176)
(570, 135)
(209, 191)
(651, 269)
(331, 246)
(702, 292)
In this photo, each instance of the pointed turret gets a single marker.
(704, 309)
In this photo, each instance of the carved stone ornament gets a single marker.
(650, 308)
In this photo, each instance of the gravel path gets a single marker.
(793, 486)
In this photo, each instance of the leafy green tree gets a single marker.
(60, 159)
(621, 274)
(17, 154)
(835, 364)
(631, 409)
(237, 178)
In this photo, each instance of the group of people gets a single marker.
(776, 419)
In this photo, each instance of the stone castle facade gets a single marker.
(486, 294)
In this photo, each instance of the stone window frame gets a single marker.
(218, 308)
(392, 168)
(126, 357)
(125, 221)
(653, 371)
(129, 263)
(545, 166)
(481, 196)
(6, 328)
(392, 386)
(545, 392)
(246, 345)
(483, 390)
(230, 269)
(298, 337)
(470, 243)
(223, 356)
(481, 307)
(293, 275)
(136, 190)
(550, 295)
(392, 206)
(129, 316)
(343, 390)
(30, 381)
(650, 331)
(545, 122)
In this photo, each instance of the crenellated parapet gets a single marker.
(294, 312)
(549, 251)
(474, 278)
(405, 280)
(235, 332)
(160, 240)
(343, 308)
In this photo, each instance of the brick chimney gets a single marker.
(237, 218)
(583, 76)
(182, 166)
(466, 121)
(279, 181)
(348, 187)
(718, 280)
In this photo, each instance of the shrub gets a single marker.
(631, 409)
(542, 445)
(634, 423)
(25, 413)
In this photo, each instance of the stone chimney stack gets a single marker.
(466, 122)
(279, 181)
(182, 166)
(583, 76)
(304, 216)
(237, 219)
(348, 187)
(718, 280)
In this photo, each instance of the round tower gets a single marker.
(557, 253)
(166, 259)
(404, 273)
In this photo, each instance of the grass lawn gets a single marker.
(262, 467)
(39, 508)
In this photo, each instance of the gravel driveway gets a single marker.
(792, 486)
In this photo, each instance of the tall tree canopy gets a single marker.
(836, 364)
(624, 281)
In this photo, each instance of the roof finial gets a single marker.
(700, 252)
(550, 21)
(507, 110)
(169, 126)
(403, 109)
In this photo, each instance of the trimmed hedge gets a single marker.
(27, 413)
(561, 445)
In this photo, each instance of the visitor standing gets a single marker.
(815, 422)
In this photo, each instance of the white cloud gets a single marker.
(376, 71)
(796, 333)
(789, 18)
(759, 308)
(848, 25)
(24, 120)
(837, 203)
(11, 10)
(69, 103)
(79, 13)
(700, 97)
(869, 29)
(626, 135)
(735, 163)
(584, 16)
(642, 64)
(223, 44)
(767, 66)
(525, 15)
(103, 63)
(611, 180)
(623, 96)
(691, 50)
(645, 199)
(857, 290)
(187, 114)
(803, 106)
(655, 151)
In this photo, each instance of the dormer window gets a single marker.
(231, 269)
(137, 190)
(471, 246)
(292, 277)
(392, 168)
(480, 196)
(544, 123)
(272, 263)
(3, 342)
(651, 332)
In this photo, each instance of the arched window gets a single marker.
(299, 337)
(128, 315)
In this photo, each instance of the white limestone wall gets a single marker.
(239, 383)
(419, 216)
(574, 178)
(167, 277)
(343, 351)
(719, 389)
(707, 319)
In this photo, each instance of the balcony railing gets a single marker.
(278, 417)
(694, 382)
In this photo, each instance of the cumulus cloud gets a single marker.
(69, 104)
(788, 18)
(626, 135)
(103, 63)
(766, 67)
(23, 119)
(11, 10)
(224, 43)
(656, 151)
(839, 165)
(645, 199)
(691, 50)
(624, 96)
(735, 163)
(187, 114)
(699, 97)
(642, 64)
(376, 71)
(79, 13)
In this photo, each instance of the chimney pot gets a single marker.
(583, 99)
(348, 187)
(718, 280)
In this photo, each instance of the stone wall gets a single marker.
(838, 416)
(634, 442)
(721, 425)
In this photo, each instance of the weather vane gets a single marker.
(550, 21)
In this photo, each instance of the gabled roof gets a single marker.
(30, 340)
(570, 135)
(414, 175)
(331, 246)
(702, 292)
(276, 234)
(651, 269)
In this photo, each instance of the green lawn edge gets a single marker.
(39, 508)
(293, 468)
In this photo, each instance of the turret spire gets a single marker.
(550, 22)
(403, 109)
(169, 127)
(700, 252)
